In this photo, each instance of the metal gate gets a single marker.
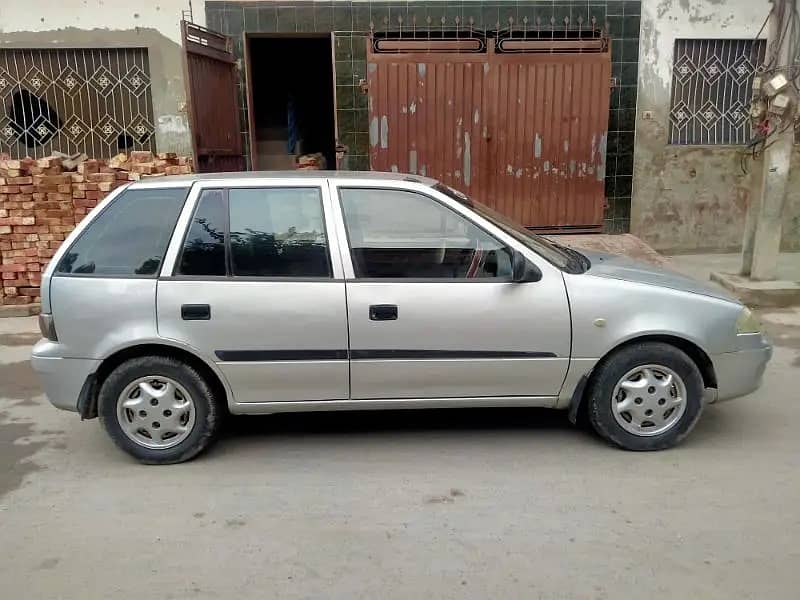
(518, 124)
(211, 77)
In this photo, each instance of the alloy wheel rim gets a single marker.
(649, 400)
(156, 412)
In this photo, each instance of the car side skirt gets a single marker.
(253, 408)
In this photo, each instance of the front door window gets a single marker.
(402, 234)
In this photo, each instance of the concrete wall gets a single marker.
(688, 198)
(791, 221)
(154, 25)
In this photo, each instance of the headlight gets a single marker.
(747, 322)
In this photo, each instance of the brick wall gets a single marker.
(41, 201)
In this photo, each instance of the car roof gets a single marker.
(176, 180)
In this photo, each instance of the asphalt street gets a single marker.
(422, 504)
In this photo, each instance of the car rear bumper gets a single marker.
(63, 378)
(741, 372)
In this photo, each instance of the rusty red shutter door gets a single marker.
(549, 146)
(427, 117)
(522, 132)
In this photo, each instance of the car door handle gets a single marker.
(383, 312)
(195, 312)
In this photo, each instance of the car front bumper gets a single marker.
(741, 372)
(62, 377)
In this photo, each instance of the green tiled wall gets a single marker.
(352, 21)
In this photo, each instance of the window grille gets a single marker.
(96, 101)
(711, 90)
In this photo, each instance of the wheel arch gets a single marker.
(87, 404)
(699, 356)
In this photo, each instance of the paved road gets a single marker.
(458, 504)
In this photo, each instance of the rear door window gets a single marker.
(278, 232)
(129, 238)
(257, 232)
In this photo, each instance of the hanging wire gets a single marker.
(788, 40)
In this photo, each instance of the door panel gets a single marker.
(275, 336)
(254, 287)
(561, 114)
(211, 78)
(460, 378)
(287, 381)
(430, 116)
(432, 311)
(459, 339)
(520, 125)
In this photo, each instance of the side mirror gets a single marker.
(522, 270)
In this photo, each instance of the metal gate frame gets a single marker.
(545, 167)
(211, 75)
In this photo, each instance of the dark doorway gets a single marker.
(292, 100)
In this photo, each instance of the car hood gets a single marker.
(627, 269)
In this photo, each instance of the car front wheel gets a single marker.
(646, 396)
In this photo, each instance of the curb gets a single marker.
(762, 294)
(20, 310)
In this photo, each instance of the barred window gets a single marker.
(88, 100)
(711, 90)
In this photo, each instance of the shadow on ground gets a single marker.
(713, 428)
(397, 421)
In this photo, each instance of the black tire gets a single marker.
(207, 410)
(609, 372)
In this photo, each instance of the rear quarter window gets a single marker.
(129, 238)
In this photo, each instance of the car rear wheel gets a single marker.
(646, 396)
(158, 409)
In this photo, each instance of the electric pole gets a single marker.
(775, 106)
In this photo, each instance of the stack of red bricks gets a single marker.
(41, 202)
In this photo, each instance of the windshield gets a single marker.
(562, 257)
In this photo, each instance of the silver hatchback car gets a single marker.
(181, 299)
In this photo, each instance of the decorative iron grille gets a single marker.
(540, 28)
(711, 90)
(96, 101)
(473, 41)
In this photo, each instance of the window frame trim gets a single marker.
(171, 261)
(225, 239)
(445, 205)
(81, 229)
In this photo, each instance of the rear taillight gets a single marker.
(47, 326)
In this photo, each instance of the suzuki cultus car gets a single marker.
(179, 299)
